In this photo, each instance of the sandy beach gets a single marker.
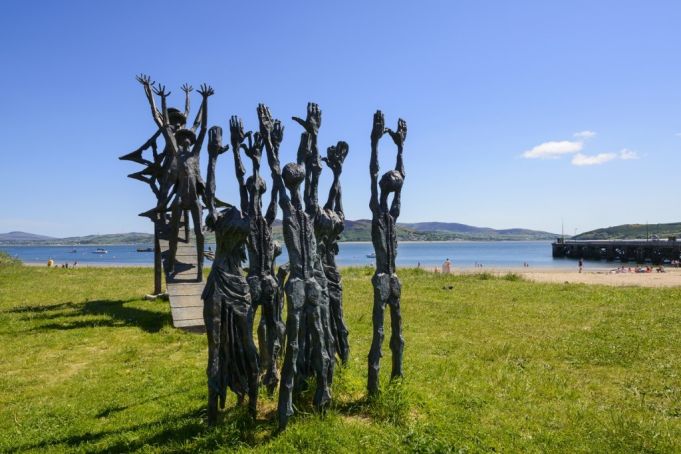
(600, 276)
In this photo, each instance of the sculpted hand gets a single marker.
(378, 128)
(215, 147)
(277, 135)
(145, 80)
(187, 88)
(313, 120)
(254, 150)
(161, 91)
(335, 156)
(236, 131)
(400, 135)
(206, 90)
(265, 120)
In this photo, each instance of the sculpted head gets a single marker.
(258, 185)
(176, 118)
(293, 175)
(391, 182)
(185, 138)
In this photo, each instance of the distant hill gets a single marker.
(116, 238)
(632, 232)
(359, 230)
(22, 236)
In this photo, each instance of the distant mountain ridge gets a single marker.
(632, 232)
(23, 236)
(359, 230)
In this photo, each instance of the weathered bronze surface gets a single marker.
(387, 286)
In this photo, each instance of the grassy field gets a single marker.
(491, 364)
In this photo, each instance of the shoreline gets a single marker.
(589, 276)
(95, 245)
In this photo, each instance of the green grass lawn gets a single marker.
(492, 364)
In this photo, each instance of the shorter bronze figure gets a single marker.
(228, 313)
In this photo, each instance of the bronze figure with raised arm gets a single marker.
(309, 156)
(387, 287)
(329, 224)
(260, 250)
(164, 168)
(227, 310)
(303, 290)
(185, 146)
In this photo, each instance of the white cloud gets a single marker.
(584, 135)
(583, 160)
(557, 148)
(626, 154)
(553, 149)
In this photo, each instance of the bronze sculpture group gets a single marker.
(314, 335)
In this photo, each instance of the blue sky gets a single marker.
(520, 114)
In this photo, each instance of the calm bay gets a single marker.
(463, 254)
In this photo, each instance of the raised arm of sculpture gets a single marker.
(186, 88)
(254, 151)
(335, 156)
(164, 122)
(215, 148)
(398, 137)
(147, 83)
(275, 166)
(377, 132)
(205, 91)
(313, 168)
(276, 135)
(237, 137)
(308, 153)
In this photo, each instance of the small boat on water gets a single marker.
(73, 251)
(372, 255)
(145, 249)
(100, 251)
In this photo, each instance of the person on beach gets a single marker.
(447, 267)
(581, 264)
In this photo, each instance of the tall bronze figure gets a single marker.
(308, 154)
(387, 287)
(261, 248)
(181, 168)
(161, 172)
(329, 224)
(303, 290)
(227, 312)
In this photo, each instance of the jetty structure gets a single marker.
(640, 251)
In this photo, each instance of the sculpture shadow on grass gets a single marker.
(109, 313)
(172, 432)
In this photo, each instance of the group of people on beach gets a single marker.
(638, 269)
(52, 264)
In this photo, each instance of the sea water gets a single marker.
(463, 254)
